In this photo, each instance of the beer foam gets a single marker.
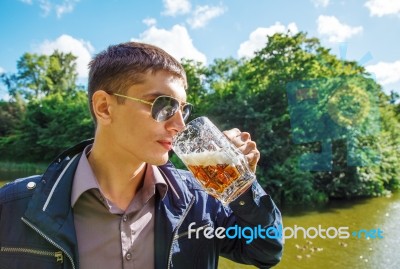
(208, 158)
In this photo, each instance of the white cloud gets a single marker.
(203, 14)
(59, 6)
(66, 7)
(67, 44)
(383, 7)
(176, 7)
(176, 42)
(336, 31)
(258, 38)
(46, 7)
(385, 73)
(149, 21)
(2, 70)
(321, 3)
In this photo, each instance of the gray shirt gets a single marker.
(109, 237)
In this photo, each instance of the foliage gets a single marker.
(50, 125)
(252, 95)
(51, 116)
(196, 92)
(40, 75)
(11, 114)
(308, 139)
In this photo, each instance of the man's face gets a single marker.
(135, 134)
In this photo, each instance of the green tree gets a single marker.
(196, 92)
(336, 102)
(47, 111)
(40, 75)
(50, 125)
(252, 94)
(11, 114)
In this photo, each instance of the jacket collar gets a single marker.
(179, 195)
(49, 211)
(170, 213)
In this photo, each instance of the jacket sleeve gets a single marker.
(253, 229)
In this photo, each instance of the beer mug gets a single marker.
(218, 165)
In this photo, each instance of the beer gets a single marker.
(216, 177)
(215, 171)
(219, 167)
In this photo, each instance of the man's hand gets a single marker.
(244, 143)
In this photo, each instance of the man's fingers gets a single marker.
(242, 140)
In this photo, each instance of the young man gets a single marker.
(116, 201)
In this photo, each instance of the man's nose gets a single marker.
(176, 123)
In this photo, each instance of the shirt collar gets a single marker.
(153, 178)
(84, 178)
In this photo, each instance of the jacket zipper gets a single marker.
(49, 240)
(57, 254)
(187, 232)
(176, 231)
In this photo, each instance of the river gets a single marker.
(379, 214)
(356, 253)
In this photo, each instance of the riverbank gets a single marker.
(6, 166)
(11, 170)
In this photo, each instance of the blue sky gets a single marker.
(201, 29)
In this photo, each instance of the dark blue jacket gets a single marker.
(37, 226)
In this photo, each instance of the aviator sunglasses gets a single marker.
(163, 107)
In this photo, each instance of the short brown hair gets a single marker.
(120, 66)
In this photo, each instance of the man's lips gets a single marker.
(166, 144)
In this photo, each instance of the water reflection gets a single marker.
(300, 253)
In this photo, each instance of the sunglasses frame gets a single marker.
(181, 106)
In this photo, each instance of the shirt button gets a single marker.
(242, 203)
(128, 256)
(124, 218)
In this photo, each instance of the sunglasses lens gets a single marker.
(164, 107)
(186, 111)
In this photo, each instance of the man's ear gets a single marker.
(101, 103)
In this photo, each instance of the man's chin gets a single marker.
(161, 161)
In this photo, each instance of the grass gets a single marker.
(25, 166)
